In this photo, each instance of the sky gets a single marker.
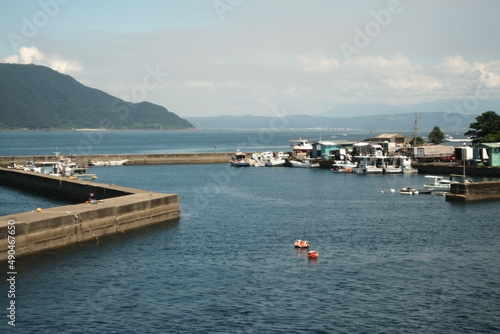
(262, 57)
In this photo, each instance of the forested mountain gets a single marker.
(37, 97)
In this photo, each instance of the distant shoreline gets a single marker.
(95, 130)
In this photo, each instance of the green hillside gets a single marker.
(37, 97)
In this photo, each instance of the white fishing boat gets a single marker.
(390, 164)
(271, 160)
(343, 166)
(409, 191)
(239, 160)
(367, 164)
(306, 163)
(438, 183)
(301, 145)
(442, 184)
(257, 160)
(63, 167)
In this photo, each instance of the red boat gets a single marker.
(301, 244)
(313, 254)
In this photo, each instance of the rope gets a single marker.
(77, 222)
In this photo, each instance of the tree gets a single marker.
(417, 141)
(486, 129)
(436, 136)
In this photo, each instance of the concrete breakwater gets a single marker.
(447, 169)
(118, 209)
(136, 159)
(475, 191)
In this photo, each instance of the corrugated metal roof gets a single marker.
(390, 135)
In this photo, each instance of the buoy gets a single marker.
(38, 210)
(313, 254)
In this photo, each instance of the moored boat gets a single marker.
(367, 164)
(438, 183)
(313, 254)
(301, 145)
(442, 184)
(409, 191)
(239, 160)
(301, 243)
(306, 163)
(271, 160)
(342, 168)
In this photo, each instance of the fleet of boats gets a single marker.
(371, 159)
(59, 166)
(374, 161)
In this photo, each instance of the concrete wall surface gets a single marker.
(36, 231)
(476, 191)
(135, 159)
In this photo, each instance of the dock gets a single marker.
(133, 159)
(118, 209)
(474, 191)
(447, 168)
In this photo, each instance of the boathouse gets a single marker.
(492, 154)
(328, 150)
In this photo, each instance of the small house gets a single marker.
(390, 141)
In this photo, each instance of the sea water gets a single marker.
(388, 263)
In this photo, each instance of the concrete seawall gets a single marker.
(135, 159)
(470, 192)
(447, 169)
(119, 209)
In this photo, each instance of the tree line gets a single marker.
(486, 129)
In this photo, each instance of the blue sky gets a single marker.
(262, 57)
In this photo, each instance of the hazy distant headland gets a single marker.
(447, 121)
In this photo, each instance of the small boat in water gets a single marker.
(438, 183)
(239, 160)
(313, 254)
(301, 244)
(306, 163)
(409, 191)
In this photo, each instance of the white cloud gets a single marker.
(199, 84)
(399, 79)
(31, 55)
(318, 63)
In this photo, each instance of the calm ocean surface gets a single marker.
(388, 263)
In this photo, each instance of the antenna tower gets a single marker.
(415, 129)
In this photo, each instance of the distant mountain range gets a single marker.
(445, 106)
(454, 122)
(37, 97)
(448, 115)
